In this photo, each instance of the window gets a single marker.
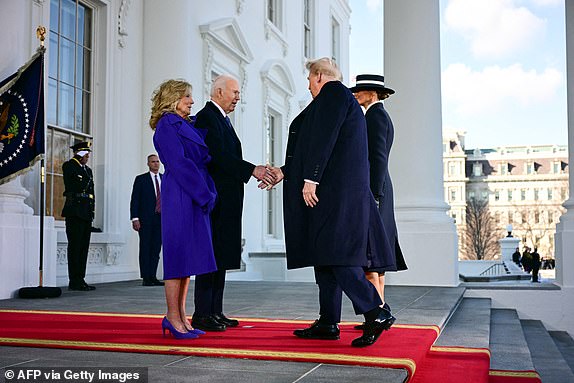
(522, 194)
(69, 91)
(307, 28)
(335, 40)
(497, 195)
(452, 169)
(274, 12)
(550, 194)
(453, 194)
(537, 217)
(556, 167)
(477, 170)
(271, 156)
(536, 194)
(529, 168)
(484, 194)
(503, 169)
(509, 194)
(471, 195)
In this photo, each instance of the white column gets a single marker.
(412, 67)
(564, 240)
(167, 51)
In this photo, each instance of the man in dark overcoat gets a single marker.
(79, 212)
(145, 213)
(335, 227)
(229, 172)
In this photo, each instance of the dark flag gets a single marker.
(22, 118)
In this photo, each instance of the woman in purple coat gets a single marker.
(187, 198)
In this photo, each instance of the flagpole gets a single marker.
(41, 34)
(41, 291)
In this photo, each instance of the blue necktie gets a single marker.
(228, 122)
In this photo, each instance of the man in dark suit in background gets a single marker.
(79, 212)
(145, 213)
(230, 172)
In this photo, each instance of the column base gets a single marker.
(20, 255)
(430, 247)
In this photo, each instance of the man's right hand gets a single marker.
(274, 174)
(136, 225)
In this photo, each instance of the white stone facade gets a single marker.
(137, 45)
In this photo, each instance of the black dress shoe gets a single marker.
(373, 329)
(147, 283)
(221, 318)
(76, 287)
(319, 331)
(207, 323)
(157, 282)
(80, 287)
(362, 326)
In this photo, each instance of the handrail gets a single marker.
(496, 269)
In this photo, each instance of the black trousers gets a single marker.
(535, 271)
(150, 246)
(78, 232)
(333, 281)
(208, 293)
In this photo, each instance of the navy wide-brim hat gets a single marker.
(81, 146)
(371, 82)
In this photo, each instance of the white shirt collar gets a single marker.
(219, 107)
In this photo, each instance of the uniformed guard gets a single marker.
(79, 213)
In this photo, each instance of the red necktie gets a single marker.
(157, 196)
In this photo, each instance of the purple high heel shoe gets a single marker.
(166, 325)
(195, 330)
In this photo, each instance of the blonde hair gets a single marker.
(165, 98)
(324, 66)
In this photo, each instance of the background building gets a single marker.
(524, 186)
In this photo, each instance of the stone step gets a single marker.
(546, 356)
(565, 344)
(469, 326)
(508, 346)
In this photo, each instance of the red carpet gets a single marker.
(404, 346)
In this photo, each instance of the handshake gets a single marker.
(268, 176)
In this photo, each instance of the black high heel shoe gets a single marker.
(166, 325)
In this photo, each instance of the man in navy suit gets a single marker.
(229, 172)
(331, 217)
(145, 213)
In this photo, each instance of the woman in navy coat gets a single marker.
(187, 198)
(370, 91)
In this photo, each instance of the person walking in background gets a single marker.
(187, 198)
(145, 213)
(526, 259)
(535, 264)
(370, 91)
(331, 217)
(516, 256)
(230, 172)
(79, 211)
